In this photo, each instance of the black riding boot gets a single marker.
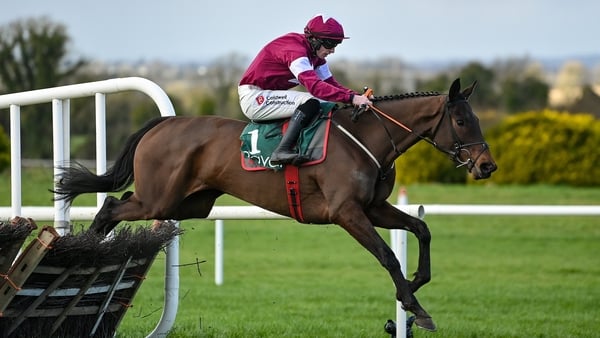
(285, 153)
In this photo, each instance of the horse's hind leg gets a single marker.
(104, 222)
(196, 205)
(353, 220)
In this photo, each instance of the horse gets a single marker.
(181, 165)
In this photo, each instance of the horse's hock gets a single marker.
(74, 285)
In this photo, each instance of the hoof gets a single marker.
(425, 323)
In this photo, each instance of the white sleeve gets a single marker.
(303, 64)
(323, 72)
(300, 65)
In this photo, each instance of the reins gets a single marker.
(403, 126)
(454, 154)
(393, 120)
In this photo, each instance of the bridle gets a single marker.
(458, 148)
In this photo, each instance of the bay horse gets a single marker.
(182, 164)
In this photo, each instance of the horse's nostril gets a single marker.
(488, 167)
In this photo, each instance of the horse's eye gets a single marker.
(460, 122)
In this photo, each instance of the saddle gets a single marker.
(259, 140)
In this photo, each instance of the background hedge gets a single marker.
(537, 147)
(547, 147)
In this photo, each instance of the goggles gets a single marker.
(329, 43)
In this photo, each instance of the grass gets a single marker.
(492, 276)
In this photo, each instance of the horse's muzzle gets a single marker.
(484, 170)
(482, 164)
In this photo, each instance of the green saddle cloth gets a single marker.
(259, 140)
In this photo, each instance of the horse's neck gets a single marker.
(408, 120)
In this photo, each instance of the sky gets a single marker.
(414, 31)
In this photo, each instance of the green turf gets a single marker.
(492, 276)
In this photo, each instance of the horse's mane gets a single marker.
(404, 96)
(399, 97)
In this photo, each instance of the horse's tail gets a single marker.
(76, 179)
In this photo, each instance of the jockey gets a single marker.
(290, 60)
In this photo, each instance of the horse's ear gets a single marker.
(469, 90)
(454, 90)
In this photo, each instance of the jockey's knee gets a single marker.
(310, 108)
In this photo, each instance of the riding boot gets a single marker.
(285, 153)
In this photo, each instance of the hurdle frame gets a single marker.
(60, 98)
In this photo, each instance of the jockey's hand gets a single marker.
(361, 100)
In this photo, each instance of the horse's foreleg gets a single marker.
(423, 274)
(359, 226)
(389, 217)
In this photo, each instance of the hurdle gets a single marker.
(60, 98)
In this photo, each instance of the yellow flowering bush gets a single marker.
(547, 147)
